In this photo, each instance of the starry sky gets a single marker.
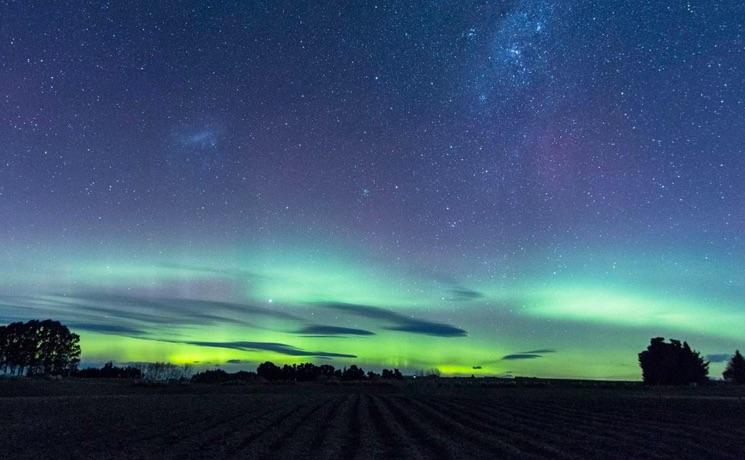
(482, 187)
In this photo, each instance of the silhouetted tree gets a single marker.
(672, 363)
(243, 376)
(326, 370)
(4, 349)
(38, 348)
(211, 376)
(353, 373)
(307, 372)
(394, 374)
(735, 371)
(288, 372)
(269, 371)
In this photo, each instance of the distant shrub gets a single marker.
(109, 371)
(220, 376)
(672, 363)
(735, 371)
(433, 373)
(165, 372)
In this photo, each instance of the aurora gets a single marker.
(233, 310)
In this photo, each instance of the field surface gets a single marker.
(118, 420)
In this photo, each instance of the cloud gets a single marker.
(520, 356)
(400, 322)
(530, 354)
(185, 305)
(427, 328)
(157, 311)
(457, 291)
(322, 330)
(280, 348)
(105, 328)
(462, 293)
(718, 357)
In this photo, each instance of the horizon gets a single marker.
(530, 188)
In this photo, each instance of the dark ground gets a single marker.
(434, 419)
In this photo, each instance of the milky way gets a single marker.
(414, 184)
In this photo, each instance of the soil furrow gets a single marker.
(570, 434)
(220, 430)
(486, 445)
(353, 433)
(263, 443)
(509, 431)
(392, 437)
(215, 420)
(635, 428)
(579, 427)
(431, 441)
(221, 441)
(300, 441)
(370, 445)
(332, 429)
(522, 432)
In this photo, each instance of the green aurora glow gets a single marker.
(581, 326)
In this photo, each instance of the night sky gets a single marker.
(506, 187)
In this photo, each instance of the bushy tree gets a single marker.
(210, 376)
(269, 371)
(307, 372)
(326, 370)
(672, 363)
(353, 373)
(288, 373)
(38, 348)
(735, 371)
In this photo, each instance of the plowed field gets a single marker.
(317, 421)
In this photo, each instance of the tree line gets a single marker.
(49, 348)
(158, 372)
(268, 371)
(304, 372)
(662, 363)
